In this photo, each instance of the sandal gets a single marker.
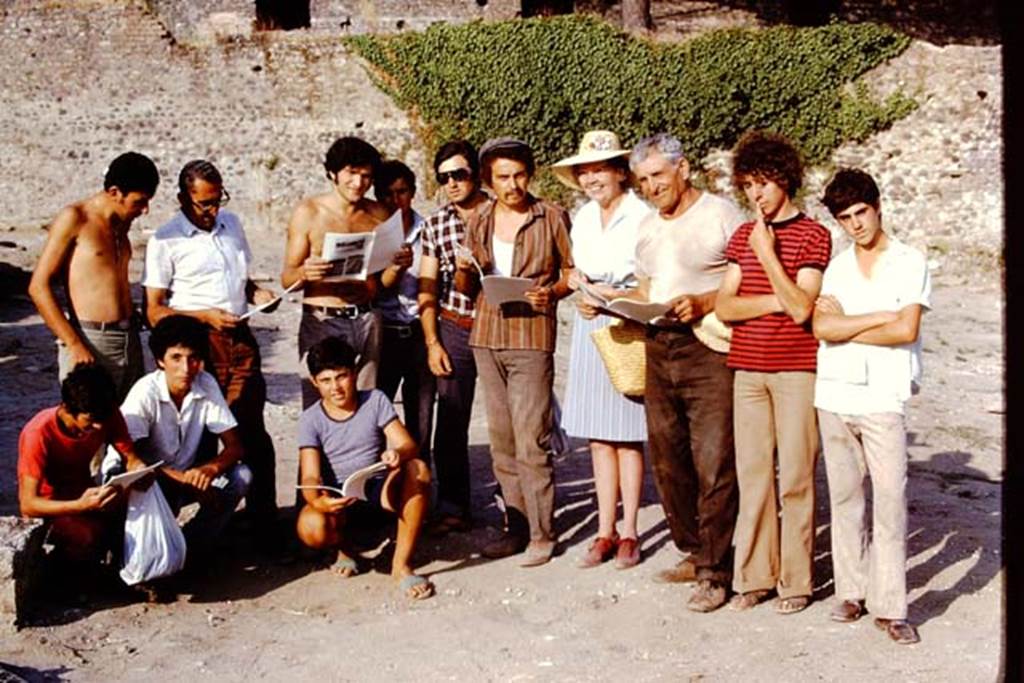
(599, 551)
(900, 631)
(628, 554)
(792, 605)
(345, 567)
(744, 601)
(416, 587)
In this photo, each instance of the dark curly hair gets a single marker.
(771, 156)
(179, 330)
(850, 186)
(350, 151)
(88, 389)
(330, 353)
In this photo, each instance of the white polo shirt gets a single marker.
(608, 254)
(200, 269)
(860, 379)
(174, 435)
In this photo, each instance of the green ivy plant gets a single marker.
(548, 80)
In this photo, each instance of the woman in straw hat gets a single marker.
(604, 237)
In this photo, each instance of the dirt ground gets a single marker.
(494, 621)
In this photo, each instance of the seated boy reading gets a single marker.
(347, 430)
(54, 479)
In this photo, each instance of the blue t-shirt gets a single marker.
(351, 444)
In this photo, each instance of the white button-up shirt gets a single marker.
(174, 435)
(608, 254)
(200, 269)
(860, 379)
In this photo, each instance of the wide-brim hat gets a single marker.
(596, 145)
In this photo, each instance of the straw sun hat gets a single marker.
(596, 145)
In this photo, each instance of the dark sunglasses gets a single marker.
(458, 175)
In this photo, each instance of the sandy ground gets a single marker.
(492, 620)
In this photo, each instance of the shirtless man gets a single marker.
(337, 308)
(88, 247)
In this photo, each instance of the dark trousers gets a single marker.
(403, 361)
(235, 362)
(690, 437)
(454, 410)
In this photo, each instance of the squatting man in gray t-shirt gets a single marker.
(347, 430)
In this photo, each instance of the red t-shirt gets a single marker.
(60, 462)
(773, 342)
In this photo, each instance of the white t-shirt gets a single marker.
(503, 252)
(686, 255)
(200, 269)
(608, 254)
(860, 379)
(174, 436)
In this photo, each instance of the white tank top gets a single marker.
(502, 255)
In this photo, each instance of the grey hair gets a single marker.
(198, 169)
(667, 145)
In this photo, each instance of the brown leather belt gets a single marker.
(119, 325)
(463, 321)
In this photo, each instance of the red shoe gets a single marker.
(628, 554)
(601, 550)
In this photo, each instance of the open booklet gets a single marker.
(354, 486)
(353, 256)
(499, 289)
(640, 311)
(125, 480)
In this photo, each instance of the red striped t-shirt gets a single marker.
(773, 342)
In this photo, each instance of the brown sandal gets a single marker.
(744, 601)
(628, 554)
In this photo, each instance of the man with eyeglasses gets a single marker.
(88, 249)
(197, 265)
(446, 316)
(342, 308)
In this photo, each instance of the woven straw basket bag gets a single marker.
(621, 345)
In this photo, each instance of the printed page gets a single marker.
(273, 302)
(349, 255)
(123, 481)
(640, 311)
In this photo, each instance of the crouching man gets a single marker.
(174, 414)
(347, 430)
(54, 479)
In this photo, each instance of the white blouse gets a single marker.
(608, 254)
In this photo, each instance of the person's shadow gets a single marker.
(952, 526)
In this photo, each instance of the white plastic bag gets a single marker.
(154, 544)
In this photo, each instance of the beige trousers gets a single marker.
(868, 569)
(773, 412)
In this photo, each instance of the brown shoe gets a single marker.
(537, 553)
(847, 611)
(899, 630)
(601, 550)
(684, 572)
(707, 596)
(628, 554)
(744, 601)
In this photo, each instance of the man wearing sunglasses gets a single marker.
(198, 265)
(446, 316)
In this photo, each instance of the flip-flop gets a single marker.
(412, 581)
(345, 567)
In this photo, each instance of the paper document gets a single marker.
(273, 302)
(500, 289)
(640, 311)
(353, 256)
(123, 481)
(355, 485)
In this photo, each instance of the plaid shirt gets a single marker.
(542, 250)
(442, 231)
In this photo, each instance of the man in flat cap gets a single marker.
(517, 235)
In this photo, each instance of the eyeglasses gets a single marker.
(458, 175)
(209, 204)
